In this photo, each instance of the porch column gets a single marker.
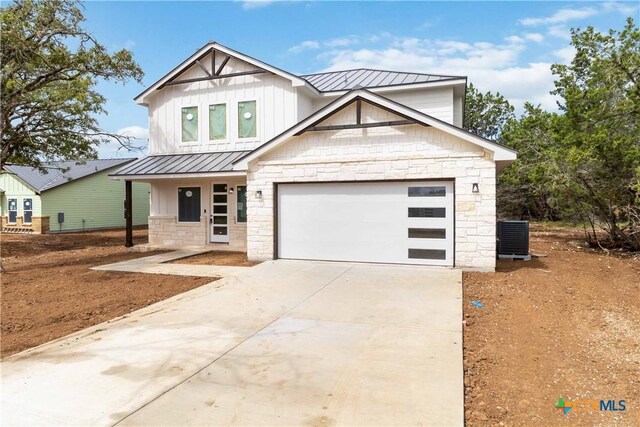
(128, 215)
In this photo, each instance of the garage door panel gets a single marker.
(366, 222)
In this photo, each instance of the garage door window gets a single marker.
(427, 191)
(188, 204)
(427, 233)
(427, 254)
(427, 212)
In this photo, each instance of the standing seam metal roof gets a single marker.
(368, 78)
(169, 164)
(58, 174)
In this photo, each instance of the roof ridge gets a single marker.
(383, 71)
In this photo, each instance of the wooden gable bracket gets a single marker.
(358, 124)
(213, 74)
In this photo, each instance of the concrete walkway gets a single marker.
(282, 343)
(156, 264)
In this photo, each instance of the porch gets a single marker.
(197, 200)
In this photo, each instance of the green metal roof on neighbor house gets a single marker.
(61, 172)
(333, 81)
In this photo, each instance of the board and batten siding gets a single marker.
(437, 102)
(15, 188)
(96, 198)
(276, 108)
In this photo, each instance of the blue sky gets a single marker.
(501, 46)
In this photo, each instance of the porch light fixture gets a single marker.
(259, 194)
(474, 188)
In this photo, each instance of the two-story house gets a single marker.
(359, 165)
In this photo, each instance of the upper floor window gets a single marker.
(189, 124)
(247, 119)
(217, 122)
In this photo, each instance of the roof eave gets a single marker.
(191, 175)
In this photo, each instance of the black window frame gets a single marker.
(239, 217)
(25, 210)
(184, 214)
(9, 210)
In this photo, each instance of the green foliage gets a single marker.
(486, 113)
(583, 164)
(599, 141)
(526, 188)
(50, 68)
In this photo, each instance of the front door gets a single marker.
(220, 214)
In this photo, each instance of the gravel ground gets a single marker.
(567, 324)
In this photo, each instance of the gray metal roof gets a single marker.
(367, 78)
(62, 172)
(169, 164)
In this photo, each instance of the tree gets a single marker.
(486, 113)
(50, 69)
(526, 189)
(599, 140)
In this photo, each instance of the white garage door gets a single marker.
(388, 222)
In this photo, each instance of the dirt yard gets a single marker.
(236, 259)
(48, 290)
(567, 324)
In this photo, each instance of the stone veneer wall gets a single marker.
(166, 231)
(400, 153)
(39, 224)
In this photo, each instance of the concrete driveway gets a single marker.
(284, 343)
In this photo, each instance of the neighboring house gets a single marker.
(33, 201)
(358, 165)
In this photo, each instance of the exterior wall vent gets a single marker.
(513, 240)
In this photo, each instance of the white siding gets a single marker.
(14, 188)
(305, 105)
(436, 102)
(458, 102)
(274, 95)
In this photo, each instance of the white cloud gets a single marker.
(623, 8)
(514, 39)
(534, 37)
(566, 15)
(560, 32)
(135, 132)
(305, 45)
(560, 17)
(113, 149)
(489, 66)
(255, 4)
(342, 41)
(566, 54)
